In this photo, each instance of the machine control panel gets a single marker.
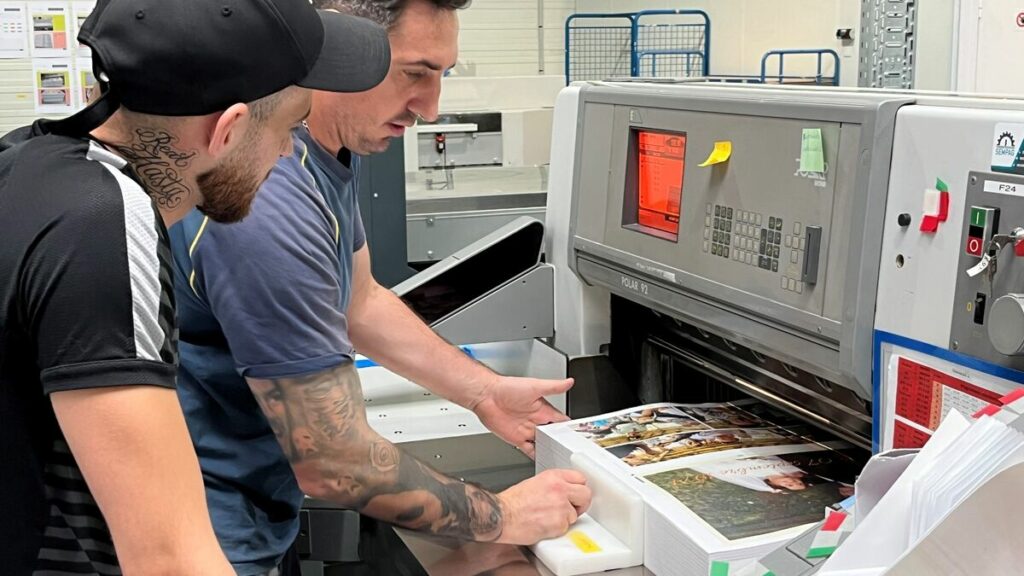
(761, 241)
(988, 319)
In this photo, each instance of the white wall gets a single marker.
(936, 41)
(501, 37)
(743, 30)
(990, 42)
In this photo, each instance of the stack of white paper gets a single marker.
(727, 481)
(960, 458)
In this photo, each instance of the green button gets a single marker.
(977, 216)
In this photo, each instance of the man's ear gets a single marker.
(227, 128)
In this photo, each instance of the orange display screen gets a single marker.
(660, 187)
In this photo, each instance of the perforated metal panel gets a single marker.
(887, 43)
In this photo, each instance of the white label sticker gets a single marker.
(1006, 146)
(997, 187)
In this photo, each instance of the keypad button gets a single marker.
(728, 226)
(728, 239)
(728, 213)
(705, 245)
(803, 243)
(789, 241)
(707, 233)
(707, 220)
(799, 287)
(793, 256)
(778, 224)
(775, 265)
(757, 219)
(771, 222)
(718, 210)
(785, 283)
(708, 210)
(726, 251)
(775, 252)
(796, 229)
(792, 285)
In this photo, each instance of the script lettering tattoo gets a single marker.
(320, 422)
(159, 165)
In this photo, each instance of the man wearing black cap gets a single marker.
(275, 307)
(198, 103)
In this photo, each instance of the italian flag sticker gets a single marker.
(831, 534)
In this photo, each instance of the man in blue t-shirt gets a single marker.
(272, 309)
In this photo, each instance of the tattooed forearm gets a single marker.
(320, 423)
(159, 165)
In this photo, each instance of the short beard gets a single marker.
(229, 189)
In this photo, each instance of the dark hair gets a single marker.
(383, 12)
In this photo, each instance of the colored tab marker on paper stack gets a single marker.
(836, 526)
(720, 568)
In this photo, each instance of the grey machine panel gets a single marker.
(973, 321)
(767, 256)
(496, 289)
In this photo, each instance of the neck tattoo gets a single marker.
(159, 165)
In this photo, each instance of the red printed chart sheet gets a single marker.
(661, 162)
(925, 395)
(906, 437)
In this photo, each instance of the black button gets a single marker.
(715, 236)
(728, 213)
(718, 210)
(764, 235)
(762, 248)
(976, 231)
(714, 249)
(728, 240)
(726, 252)
(728, 226)
(903, 220)
(778, 223)
(775, 252)
(771, 223)
(775, 265)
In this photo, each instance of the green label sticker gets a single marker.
(812, 153)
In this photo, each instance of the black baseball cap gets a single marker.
(196, 57)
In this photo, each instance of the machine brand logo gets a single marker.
(1005, 144)
(1006, 154)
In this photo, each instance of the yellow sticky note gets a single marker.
(583, 542)
(721, 153)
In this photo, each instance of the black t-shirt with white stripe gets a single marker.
(85, 302)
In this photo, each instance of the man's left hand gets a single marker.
(513, 408)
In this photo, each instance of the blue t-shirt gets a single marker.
(264, 298)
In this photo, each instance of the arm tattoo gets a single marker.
(159, 165)
(320, 422)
